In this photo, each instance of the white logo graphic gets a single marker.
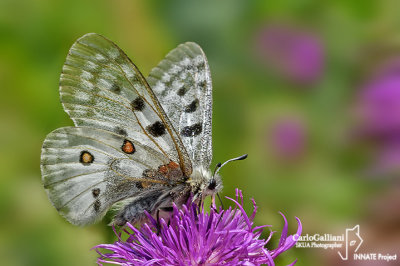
(351, 241)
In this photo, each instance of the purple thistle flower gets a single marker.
(195, 237)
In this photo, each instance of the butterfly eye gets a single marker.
(212, 185)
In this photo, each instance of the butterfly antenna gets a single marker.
(219, 165)
(216, 168)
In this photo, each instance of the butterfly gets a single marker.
(139, 144)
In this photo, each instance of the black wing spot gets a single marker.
(202, 84)
(201, 65)
(121, 131)
(146, 172)
(138, 104)
(116, 88)
(97, 205)
(95, 192)
(139, 185)
(191, 131)
(182, 91)
(86, 158)
(157, 129)
(192, 106)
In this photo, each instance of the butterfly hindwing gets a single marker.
(182, 83)
(100, 87)
(86, 170)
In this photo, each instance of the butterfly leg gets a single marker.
(200, 205)
(158, 222)
(168, 210)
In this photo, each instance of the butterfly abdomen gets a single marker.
(155, 201)
(134, 211)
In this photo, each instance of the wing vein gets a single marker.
(81, 193)
(71, 177)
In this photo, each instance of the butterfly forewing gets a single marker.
(100, 87)
(182, 83)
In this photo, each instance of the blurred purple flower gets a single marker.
(378, 110)
(288, 138)
(194, 237)
(379, 104)
(298, 55)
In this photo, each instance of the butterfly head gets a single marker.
(205, 183)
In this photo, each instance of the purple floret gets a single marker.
(197, 237)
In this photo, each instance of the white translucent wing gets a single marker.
(182, 83)
(85, 170)
(100, 87)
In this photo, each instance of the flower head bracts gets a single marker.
(196, 237)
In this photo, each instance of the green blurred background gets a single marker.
(290, 107)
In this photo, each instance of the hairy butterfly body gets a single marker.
(138, 143)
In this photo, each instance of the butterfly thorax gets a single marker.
(203, 183)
